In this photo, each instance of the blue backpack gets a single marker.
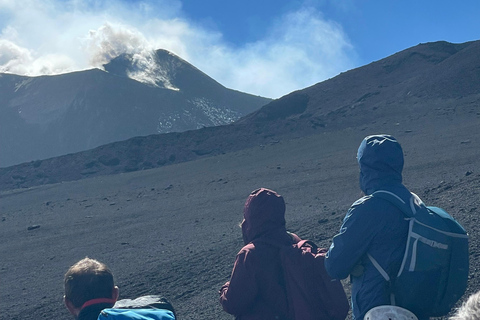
(136, 314)
(152, 307)
(434, 271)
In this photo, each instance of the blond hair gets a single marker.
(86, 280)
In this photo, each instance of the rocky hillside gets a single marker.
(434, 84)
(48, 116)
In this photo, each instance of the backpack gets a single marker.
(434, 271)
(311, 293)
(151, 307)
(136, 314)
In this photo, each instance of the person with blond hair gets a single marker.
(91, 294)
(89, 288)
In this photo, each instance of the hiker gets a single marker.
(256, 287)
(90, 294)
(372, 226)
(470, 309)
(89, 288)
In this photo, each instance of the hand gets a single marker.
(225, 286)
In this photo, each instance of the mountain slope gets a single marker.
(42, 117)
(433, 86)
(415, 82)
(173, 230)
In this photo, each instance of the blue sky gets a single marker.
(267, 47)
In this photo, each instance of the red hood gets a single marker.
(264, 212)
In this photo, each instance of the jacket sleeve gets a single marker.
(237, 295)
(359, 227)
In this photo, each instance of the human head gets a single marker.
(264, 210)
(88, 280)
(380, 158)
(470, 309)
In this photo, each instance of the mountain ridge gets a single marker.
(46, 116)
(374, 97)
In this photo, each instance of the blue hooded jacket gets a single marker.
(372, 225)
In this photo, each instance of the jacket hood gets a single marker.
(380, 158)
(264, 212)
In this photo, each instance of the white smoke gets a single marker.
(301, 50)
(13, 58)
(18, 60)
(110, 41)
(57, 36)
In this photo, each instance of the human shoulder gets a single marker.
(361, 201)
(365, 203)
(248, 254)
(247, 249)
(369, 201)
(366, 206)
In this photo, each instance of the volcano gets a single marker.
(48, 116)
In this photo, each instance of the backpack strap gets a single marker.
(409, 210)
(384, 275)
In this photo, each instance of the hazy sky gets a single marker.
(264, 47)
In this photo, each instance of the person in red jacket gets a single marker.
(256, 289)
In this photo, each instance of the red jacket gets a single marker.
(256, 289)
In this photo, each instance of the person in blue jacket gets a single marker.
(372, 226)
